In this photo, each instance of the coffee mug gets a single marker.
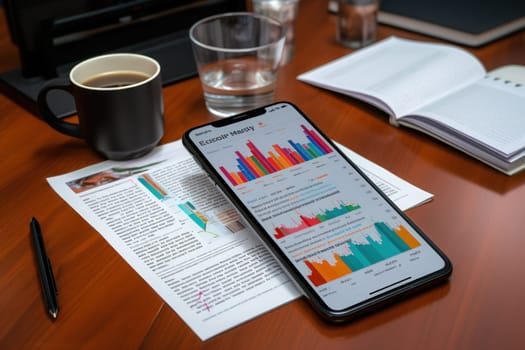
(119, 103)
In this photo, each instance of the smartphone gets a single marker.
(346, 246)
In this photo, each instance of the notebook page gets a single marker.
(404, 74)
(490, 111)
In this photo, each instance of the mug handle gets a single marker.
(48, 115)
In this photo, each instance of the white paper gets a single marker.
(169, 222)
(402, 193)
(398, 75)
(490, 112)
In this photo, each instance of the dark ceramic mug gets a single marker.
(119, 103)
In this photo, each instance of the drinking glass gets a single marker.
(285, 11)
(237, 56)
(357, 22)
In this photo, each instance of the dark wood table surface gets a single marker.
(477, 217)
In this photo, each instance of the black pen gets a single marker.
(44, 268)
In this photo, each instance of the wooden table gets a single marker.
(477, 217)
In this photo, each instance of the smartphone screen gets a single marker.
(344, 242)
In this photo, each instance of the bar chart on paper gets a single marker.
(279, 157)
(378, 243)
(217, 222)
(155, 189)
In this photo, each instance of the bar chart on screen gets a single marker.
(374, 244)
(302, 221)
(278, 157)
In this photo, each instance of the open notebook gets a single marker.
(438, 89)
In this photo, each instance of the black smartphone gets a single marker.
(346, 246)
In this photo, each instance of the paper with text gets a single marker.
(170, 223)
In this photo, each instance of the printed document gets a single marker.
(170, 223)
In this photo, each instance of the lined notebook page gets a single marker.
(490, 110)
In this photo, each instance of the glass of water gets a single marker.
(285, 11)
(237, 56)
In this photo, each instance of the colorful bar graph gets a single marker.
(257, 165)
(361, 255)
(309, 221)
(189, 209)
(152, 186)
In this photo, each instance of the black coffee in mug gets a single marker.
(119, 104)
(115, 79)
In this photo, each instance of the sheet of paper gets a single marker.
(167, 220)
(404, 194)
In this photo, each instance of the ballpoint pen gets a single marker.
(44, 268)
